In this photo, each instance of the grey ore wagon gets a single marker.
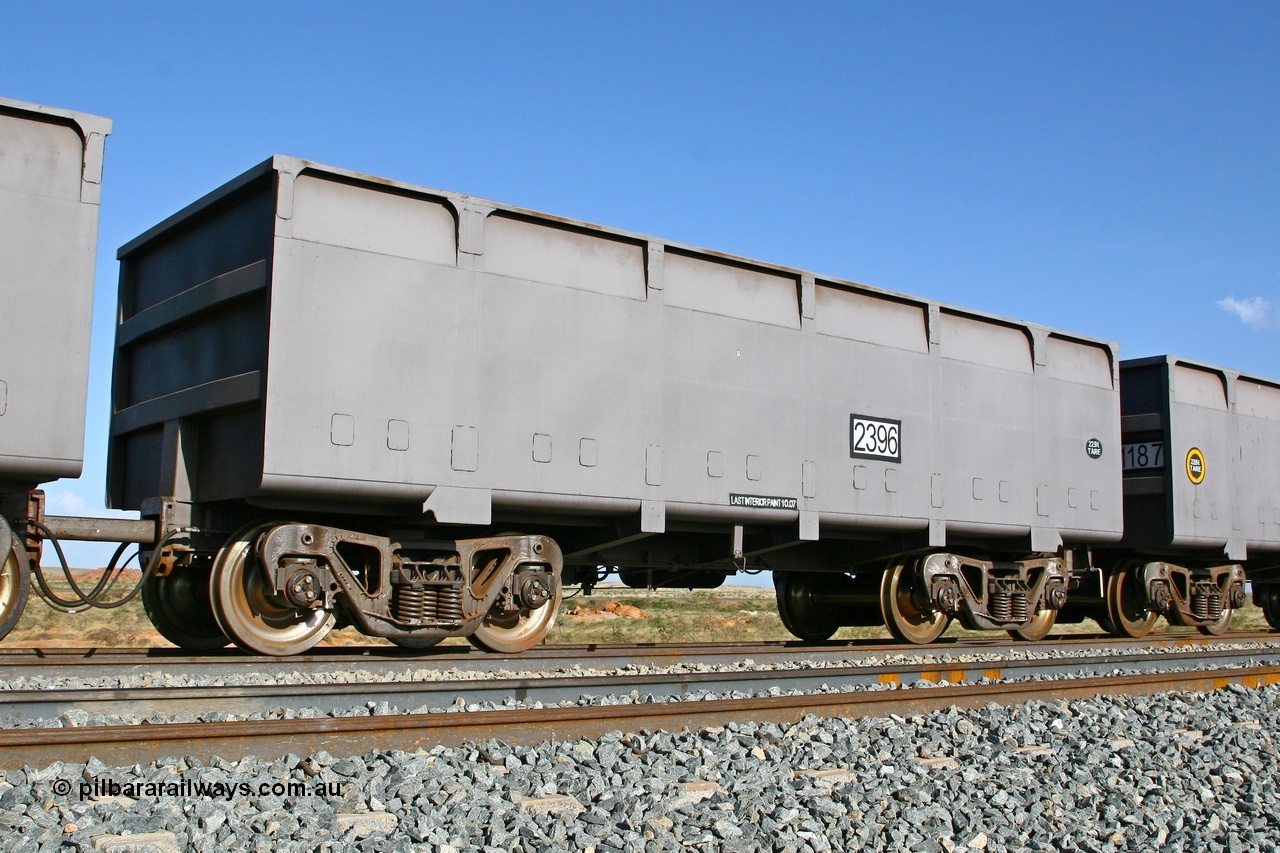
(50, 186)
(424, 414)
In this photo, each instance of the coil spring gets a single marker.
(412, 604)
(1206, 606)
(1009, 607)
(416, 604)
(449, 605)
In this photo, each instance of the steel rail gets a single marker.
(97, 662)
(271, 740)
(427, 696)
(442, 695)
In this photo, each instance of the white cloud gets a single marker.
(69, 502)
(62, 502)
(1255, 312)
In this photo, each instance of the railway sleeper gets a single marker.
(1007, 595)
(501, 592)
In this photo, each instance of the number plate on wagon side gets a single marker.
(1144, 456)
(875, 438)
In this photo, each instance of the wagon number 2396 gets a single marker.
(875, 438)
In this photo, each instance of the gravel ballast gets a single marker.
(284, 676)
(79, 718)
(1172, 771)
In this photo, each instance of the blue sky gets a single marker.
(1111, 169)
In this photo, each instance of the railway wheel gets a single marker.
(15, 580)
(907, 614)
(1128, 610)
(248, 609)
(178, 606)
(510, 632)
(802, 608)
(1039, 626)
(1269, 600)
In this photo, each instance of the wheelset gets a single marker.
(907, 614)
(248, 609)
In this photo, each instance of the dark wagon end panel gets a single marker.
(191, 347)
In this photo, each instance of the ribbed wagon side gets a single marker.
(312, 343)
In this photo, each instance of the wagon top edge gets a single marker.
(1175, 360)
(295, 167)
(84, 123)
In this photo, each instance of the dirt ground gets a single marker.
(613, 614)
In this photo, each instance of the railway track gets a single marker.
(124, 745)
(442, 695)
(95, 662)
(851, 689)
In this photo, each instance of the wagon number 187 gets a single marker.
(1139, 456)
(875, 438)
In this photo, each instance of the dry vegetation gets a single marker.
(613, 614)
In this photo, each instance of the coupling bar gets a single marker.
(76, 529)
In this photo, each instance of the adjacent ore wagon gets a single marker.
(50, 185)
(1201, 459)
(424, 414)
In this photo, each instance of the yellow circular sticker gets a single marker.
(1195, 466)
